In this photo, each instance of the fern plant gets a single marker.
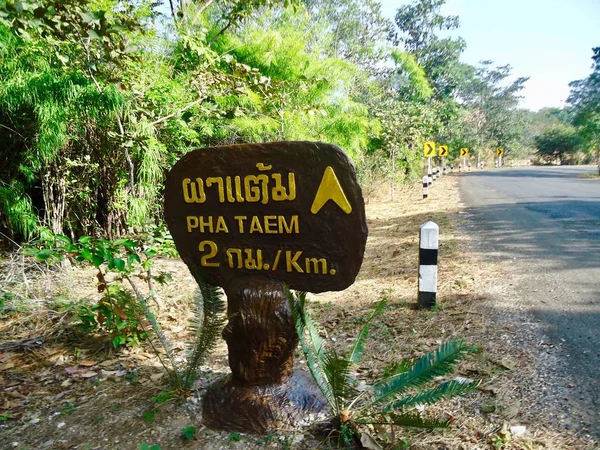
(393, 399)
(208, 321)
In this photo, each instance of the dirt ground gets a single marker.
(60, 389)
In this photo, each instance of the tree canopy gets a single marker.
(584, 106)
(98, 99)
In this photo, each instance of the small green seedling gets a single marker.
(149, 415)
(188, 433)
(68, 409)
(145, 446)
(235, 437)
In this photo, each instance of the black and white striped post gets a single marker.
(428, 254)
(433, 174)
(452, 168)
(469, 166)
(444, 167)
(430, 179)
(425, 186)
(459, 167)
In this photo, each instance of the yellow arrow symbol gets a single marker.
(330, 189)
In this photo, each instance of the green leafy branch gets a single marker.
(122, 314)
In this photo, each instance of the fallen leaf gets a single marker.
(382, 431)
(44, 374)
(73, 370)
(6, 366)
(156, 376)
(88, 363)
(507, 364)
(109, 362)
(38, 393)
(60, 395)
(369, 442)
(15, 394)
(511, 410)
(9, 405)
(89, 374)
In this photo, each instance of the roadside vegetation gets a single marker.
(98, 99)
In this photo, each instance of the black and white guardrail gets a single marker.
(428, 255)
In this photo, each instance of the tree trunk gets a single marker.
(53, 191)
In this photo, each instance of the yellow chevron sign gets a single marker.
(464, 151)
(443, 150)
(429, 149)
(500, 151)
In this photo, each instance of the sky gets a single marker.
(549, 41)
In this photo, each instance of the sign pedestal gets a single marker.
(262, 393)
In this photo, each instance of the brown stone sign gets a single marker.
(250, 218)
(289, 211)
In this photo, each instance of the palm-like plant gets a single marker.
(391, 400)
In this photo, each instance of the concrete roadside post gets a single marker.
(425, 186)
(428, 254)
(429, 173)
(451, 167)
(459, 167)
(469, 166)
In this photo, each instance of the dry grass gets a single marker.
(107, 408)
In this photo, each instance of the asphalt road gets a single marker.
(543, 225)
